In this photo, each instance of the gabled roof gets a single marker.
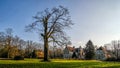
(70, 48)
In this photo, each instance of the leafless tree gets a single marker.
(2, 40)
(20, 44)
(8, 34)
(51, 25)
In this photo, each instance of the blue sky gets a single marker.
(98, 20)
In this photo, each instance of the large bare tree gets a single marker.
(51, 25)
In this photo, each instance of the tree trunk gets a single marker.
(8, 49)
(8, 54)
(45, 40)
(46, 49)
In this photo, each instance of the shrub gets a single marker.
(18, 58)
(40, 57)
(118, 59)
(111, 59)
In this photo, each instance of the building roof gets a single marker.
(70, 48)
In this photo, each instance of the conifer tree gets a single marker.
(89, 50)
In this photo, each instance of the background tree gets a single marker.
(29, 49)
(8, 33)
(2, 40)
(11, 46)
(51, 24)
(89, 50)
(20, 44)
(116, 44)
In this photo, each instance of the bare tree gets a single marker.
(2, 38)
(51, 25)
(8, 34)
(19, 43)
(116, 46)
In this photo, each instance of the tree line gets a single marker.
(11, 46)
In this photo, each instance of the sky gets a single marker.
(96, 20)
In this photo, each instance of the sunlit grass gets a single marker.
(57, 63)
(64, 60)
(19, 61)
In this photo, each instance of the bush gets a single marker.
(40, 57)
(111, 59)
(18, 58)
(118, 59)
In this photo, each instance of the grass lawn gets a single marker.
(35, 63)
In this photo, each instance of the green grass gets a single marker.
(57, 63)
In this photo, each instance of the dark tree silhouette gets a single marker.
(74, 55)
(89, 50)
(51, 24)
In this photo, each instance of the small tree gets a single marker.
(89, 50)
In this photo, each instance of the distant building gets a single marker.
(80, 53)
(102, 54)
(72, 52)
(68, 52)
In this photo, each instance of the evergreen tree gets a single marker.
(74, 55)
(34, 54)
(89, 50)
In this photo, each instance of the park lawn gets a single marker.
(57, 63)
